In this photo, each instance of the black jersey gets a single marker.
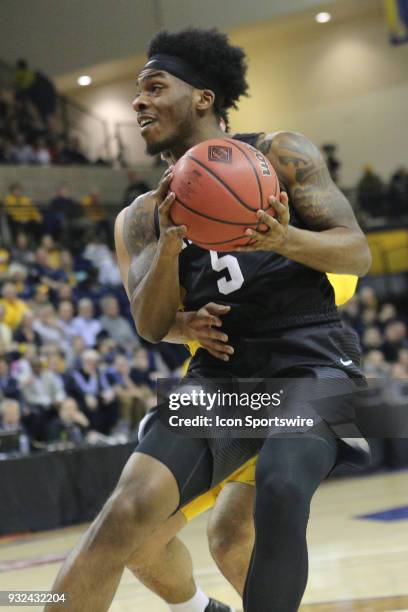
(266, 291)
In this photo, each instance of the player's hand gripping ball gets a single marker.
(219, 186)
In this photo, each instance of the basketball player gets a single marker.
(281, 320)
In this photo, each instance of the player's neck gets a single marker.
(203, 132)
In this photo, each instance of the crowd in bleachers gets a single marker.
(72, 368)
(378, 198)
(30, 132)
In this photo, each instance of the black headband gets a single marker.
(182, 70)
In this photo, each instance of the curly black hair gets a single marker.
(212, 55)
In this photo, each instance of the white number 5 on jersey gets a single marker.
(230, 263)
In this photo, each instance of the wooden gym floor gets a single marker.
(356, 564)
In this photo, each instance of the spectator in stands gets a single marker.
(370, 193)
(71, 424)
(333, 164)
(47, 326)
(37, 88)
(375, 363)
(41, 153)
(22, 152)
(372, 339)
(8, 383)
(403, 357)
(43, 393)
(21, 252)
(387, 313)
(22, 212)
(10, 415)
(14, 307)
(73, 153)
(25, 332)
(61, 208)
(17, 274)
(53, 253)
(142, 373)
(135, 188)
(115, 325)
(5, 332)
(95, 396)
(85, 324)
(6, 151)
(4, 262)
(396, 389)
(66, 320)
(134, 399)
(101, 257)
(395, 335)
(398, 192)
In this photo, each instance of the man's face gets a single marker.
(164, 109)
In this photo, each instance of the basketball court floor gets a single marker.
(358, 539)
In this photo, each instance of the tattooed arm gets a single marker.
(149, 267)
(333, 240)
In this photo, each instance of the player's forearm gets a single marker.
(338, 250)
(155, 301)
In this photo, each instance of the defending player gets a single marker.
(282, 321)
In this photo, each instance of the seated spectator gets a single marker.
(71, 425)
(42, 274)
(10, 415)
(36, 87)
(372, 339)
(95, 396)
(396, 389)
(101, 257)
(21, 252)
(134, 399)
(61, 208)
(25, 332)
(395, 335)
(8, 383)
(135, 188)
(6, 151)
(22, 152)
(66, 320)
(47, 326)
(142, 373)
(92, 206)
(398, 192)
(370, 193)
(374, 363)
(4, 262)
(53, 253)
(14, 307)
(85, 324)
(41, 153)
(22, 212)
(12, 420)
(17, 274)
(6, 334)
(74, 154)
(43, 392)
(115, 325)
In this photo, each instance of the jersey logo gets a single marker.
(218, 153)
(186, 243)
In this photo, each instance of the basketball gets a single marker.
(219, 186)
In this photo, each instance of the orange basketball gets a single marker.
(219, 185)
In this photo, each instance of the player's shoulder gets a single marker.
(270, 142)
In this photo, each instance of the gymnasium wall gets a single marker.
(341, 82)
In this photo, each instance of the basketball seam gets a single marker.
(253, 168)
(220, 180)
(201, 214)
